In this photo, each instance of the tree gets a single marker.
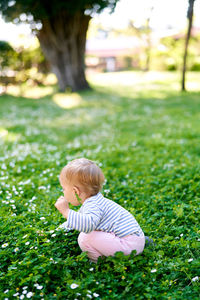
(190, 19)
(148, 40)
(61, 28)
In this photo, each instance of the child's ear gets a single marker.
(77, 194)
(76, 190)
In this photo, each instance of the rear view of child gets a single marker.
(105, 226)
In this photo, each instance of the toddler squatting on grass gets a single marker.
(105, 226)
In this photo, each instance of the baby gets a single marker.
(105, 226)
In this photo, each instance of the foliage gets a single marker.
(168, 55)
(145, 137)
(7, 54)
(31, 65)
(25, 63)
(40, 9)
(29, 58)
(5, 46)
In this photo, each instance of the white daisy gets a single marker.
(29, 295)
(39, 287)
(74, 286)
(95, 295)
(153, 270)
(195, 278)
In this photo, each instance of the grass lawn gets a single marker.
(145, 135)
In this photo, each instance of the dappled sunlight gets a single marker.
(151, 80)
(116, 78)
(126, 78)
(67, 101)
(35, 92)
(193, 86)
(7, 136)
(13, 90)
(38, 92)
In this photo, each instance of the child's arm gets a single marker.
(84, 222)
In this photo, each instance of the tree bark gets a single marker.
(148, 37)
(62, 39)
(190, 19)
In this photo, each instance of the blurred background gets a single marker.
(140, 35)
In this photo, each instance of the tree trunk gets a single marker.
(62, 39)
(148, 40)
(148, 54)
(190, 18)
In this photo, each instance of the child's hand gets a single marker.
(63, 206)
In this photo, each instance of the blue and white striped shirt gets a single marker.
(100, 213)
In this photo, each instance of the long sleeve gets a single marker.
(85, 221)
(100, 213)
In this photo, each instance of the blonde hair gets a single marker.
(86, 173)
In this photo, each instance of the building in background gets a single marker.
(113, 54)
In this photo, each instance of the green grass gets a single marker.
(145, 135)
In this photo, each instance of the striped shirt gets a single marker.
(100, 213)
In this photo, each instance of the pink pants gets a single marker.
(99, 243)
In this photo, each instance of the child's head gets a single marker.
(83, 176)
